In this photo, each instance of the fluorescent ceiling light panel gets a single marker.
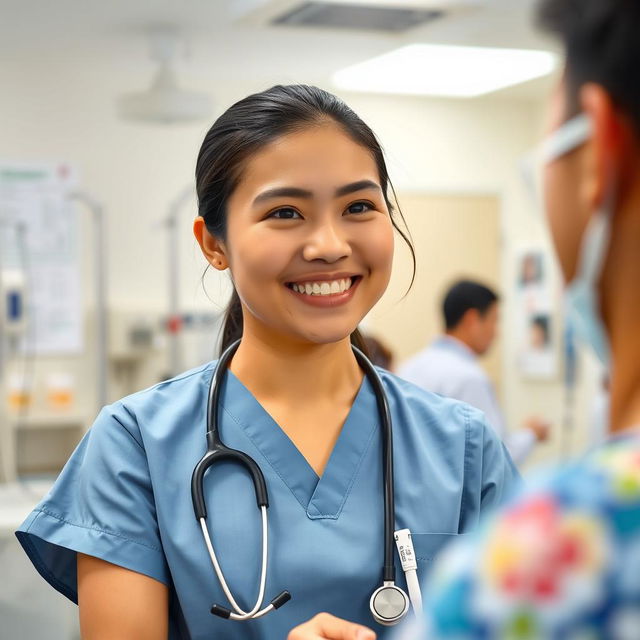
(443, 70)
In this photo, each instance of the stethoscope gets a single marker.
(388, 603)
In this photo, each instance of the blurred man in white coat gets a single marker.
(449, 365)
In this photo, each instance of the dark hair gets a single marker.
(465, 295)
(602, 44)
(542, 322)
(248, 126)
(379, 353)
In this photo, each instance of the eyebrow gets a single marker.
(361, 185)
(296, 192)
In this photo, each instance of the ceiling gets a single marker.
(230, 41)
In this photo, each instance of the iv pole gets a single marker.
(174, 323)
(100, 274)
(8, 472)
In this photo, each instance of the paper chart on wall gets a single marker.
(39, 238)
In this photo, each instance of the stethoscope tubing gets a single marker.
(388, 570)
(217, 451)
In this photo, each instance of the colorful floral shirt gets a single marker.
(562, 561)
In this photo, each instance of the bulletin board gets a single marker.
(39, 239)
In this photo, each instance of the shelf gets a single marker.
(39, 421)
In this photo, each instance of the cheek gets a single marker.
(256, 256)
(564, 217)
(380, 248)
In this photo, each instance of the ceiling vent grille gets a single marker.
(357, 16)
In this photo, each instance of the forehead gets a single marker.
(318, 157)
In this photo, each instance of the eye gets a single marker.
(285, 213)
(359, 207)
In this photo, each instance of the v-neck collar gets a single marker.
(321, 497)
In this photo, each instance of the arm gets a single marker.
(520, 444)
(119, 604)
(480, 393)
(490, 476)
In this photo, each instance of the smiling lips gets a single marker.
(324, 288)
(324, 292)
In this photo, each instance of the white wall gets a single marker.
(67, 112)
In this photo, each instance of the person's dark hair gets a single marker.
(248, 126)
(542, 322)
(379, 353)
(465, 295)
(602, 44)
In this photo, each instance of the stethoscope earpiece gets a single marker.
(389, 604)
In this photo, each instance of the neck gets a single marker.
(278, 368)
(621, 304)
(460, 336)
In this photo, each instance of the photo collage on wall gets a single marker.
(537, 333)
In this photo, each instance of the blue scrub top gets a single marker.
(124, 496)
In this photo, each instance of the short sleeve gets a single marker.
(490, 477)
(102, 505)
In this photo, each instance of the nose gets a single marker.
(327, 242)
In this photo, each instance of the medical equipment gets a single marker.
(12, 302)
(13, 329)
(388, 603)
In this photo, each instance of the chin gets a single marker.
(328, 336)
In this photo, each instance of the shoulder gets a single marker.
(607, 477)
(436, 362)
(170, 399)
(586, 515)
(188, 382)
(415, 405)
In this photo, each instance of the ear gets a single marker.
(212, 248)
(607, 147)
(470, 318)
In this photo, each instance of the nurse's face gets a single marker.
(309, 236)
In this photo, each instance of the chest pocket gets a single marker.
(428, 546)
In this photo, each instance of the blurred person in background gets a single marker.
(449, 365)
(562, 561)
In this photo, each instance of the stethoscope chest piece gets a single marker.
(389, 604)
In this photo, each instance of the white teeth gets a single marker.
(324, 288)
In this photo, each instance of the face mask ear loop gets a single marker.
(594, 250)
(570, 376)
(596, 239)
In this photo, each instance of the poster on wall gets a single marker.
(537, 334)
(39, 240)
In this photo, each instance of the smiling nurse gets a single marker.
(293, 201)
